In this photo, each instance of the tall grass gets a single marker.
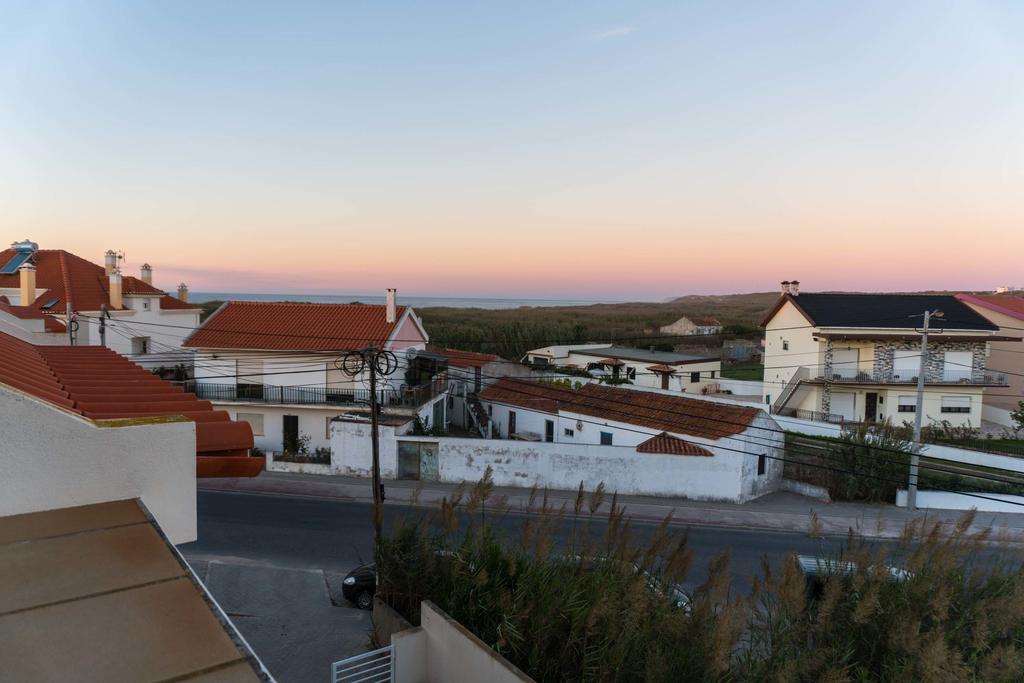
(600, 606)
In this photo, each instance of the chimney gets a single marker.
(785, 286)
(116, 301)
(110, 261)
(794, 288)
(146, 273)
(391, 309)
(183, 292)
(27, 274)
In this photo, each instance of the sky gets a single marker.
(607, 150)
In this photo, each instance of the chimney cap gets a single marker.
(146, 266)
(26, 266)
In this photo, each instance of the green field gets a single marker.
(750, 370)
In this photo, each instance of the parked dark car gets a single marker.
(360, 585)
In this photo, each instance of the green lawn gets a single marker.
(751, 370)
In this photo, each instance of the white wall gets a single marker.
(743, 387)
(948, 500)
(53, 459)
(313, 420)
(166, 329)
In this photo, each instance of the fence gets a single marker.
(315, 395)
(375, 666)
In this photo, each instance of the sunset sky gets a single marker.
(624, 150)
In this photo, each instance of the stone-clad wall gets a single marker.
(884, 352)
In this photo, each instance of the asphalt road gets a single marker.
(335, 536)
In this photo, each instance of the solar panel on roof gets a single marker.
(15, 263)
(50, 304)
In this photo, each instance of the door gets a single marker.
(664, 380)
(549, 430)
(511, 423)
(408, 460)
(870, 406)
(290, 430)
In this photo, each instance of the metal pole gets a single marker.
(378, 512)
(918, 415)
(70, 322)
(103, 325)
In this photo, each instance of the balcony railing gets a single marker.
(268, 393)
(948, 376)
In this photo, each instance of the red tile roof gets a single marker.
(615, 362)
(59, 272)
(282, 326)
(97, 383)
(705, 321)
(50, 324)
(1007, 304)
(666, 444)
(661, 367)
(467, 359)
(664, 412)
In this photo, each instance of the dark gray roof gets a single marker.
(889, 311)
(643, 355)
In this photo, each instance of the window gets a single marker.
(762, 464)
(785, 345)
(694, 377)
(549, 430)
(956, 366)
(570, 433)
(712, 375)
(631, 373)
(145, 304)
(768, 399)
(255, 421)
(956, 404)
(906, 404)
(140, 345)
(905, 364)
(606, 438)
(540, 360)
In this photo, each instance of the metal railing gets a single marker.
(948, 376)
(813, 415)
(375, 666)
(315, 395)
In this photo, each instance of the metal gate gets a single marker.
(374, 666)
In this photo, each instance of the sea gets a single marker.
(414, 301)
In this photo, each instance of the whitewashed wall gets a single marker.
(731, 474)
(53, 459)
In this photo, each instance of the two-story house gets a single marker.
(40, 287)
(1006, 311)
(282, 367)
(857, 357)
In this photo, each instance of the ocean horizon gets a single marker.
(491, 303)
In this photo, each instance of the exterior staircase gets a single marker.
(478, 414)
(802, 374)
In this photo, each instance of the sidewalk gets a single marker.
(786, 512)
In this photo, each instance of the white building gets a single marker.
(635, 441)
(857, 358)
(281, 367)
(668, 370)
(39, 286)
(693, 325)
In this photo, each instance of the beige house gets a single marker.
(857, 357)
(693, 325)
(1007, 312)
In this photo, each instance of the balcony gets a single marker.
(950, 376)
(406, 397)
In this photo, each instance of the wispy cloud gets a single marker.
(614, 32)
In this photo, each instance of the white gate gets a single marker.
(374, 666)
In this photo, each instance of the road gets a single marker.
(275, 564)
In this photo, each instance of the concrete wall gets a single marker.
(743, 387)
(313, 420)
(947, 500)
(53, 459)
(730, 474)
(165, 329)
(788, 328)
(441, 650)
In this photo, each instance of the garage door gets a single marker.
(844, 405)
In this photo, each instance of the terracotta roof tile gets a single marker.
(281, 326)
(705, 321)
(664, 412)
(666, 444)
(466, 359)
(1007, 304)
(60, 274)
(97, 383)
(661, 367)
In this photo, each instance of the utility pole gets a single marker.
(378, 498)
(919, 411)
(103, 324)
(376, 362)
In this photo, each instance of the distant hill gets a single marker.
(746, 309)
